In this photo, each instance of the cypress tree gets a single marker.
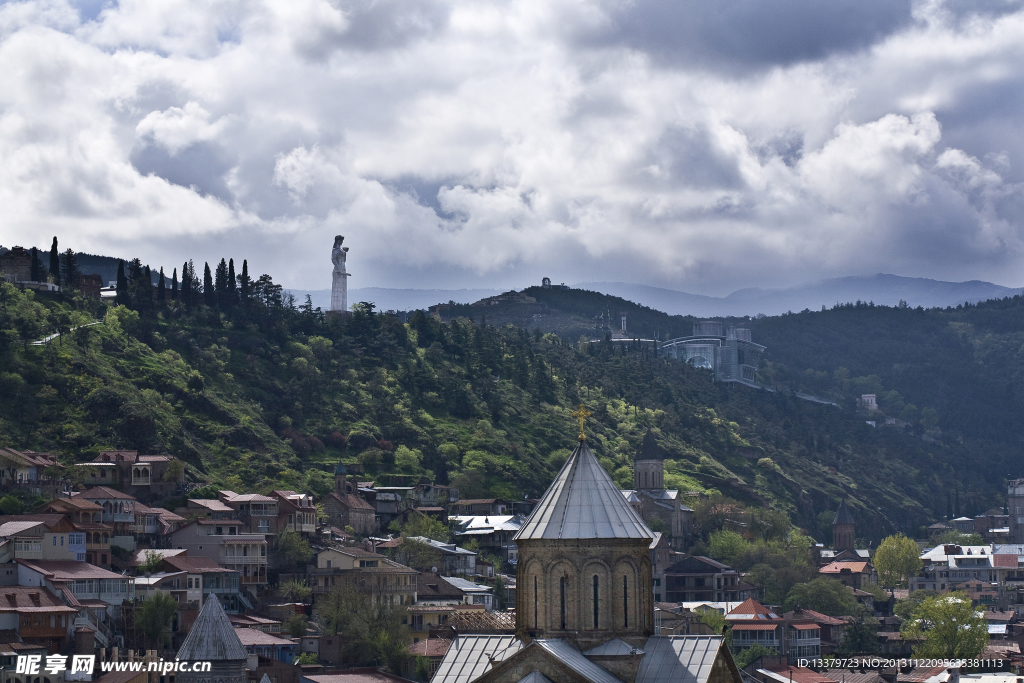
(186, 285)
(209, 295)
(220, 282)
(37, 267)
(231, 280)
(161, 287)
(174, 285)
(122, 285)
(55, 263)
(243, 282)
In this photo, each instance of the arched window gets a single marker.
(625, 602)
(535, 601)
(596, 590)
(106, 537)
(561, 592)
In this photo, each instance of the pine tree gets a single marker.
(174, 285)
(122, 285)
(231, 280)
(209, 295)
(161, 291)
(244, 282)
(55, 263)
(69, 269)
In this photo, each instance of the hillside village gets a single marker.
(79, 570)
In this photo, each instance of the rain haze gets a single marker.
(696, 146)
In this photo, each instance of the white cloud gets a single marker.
(454, 141)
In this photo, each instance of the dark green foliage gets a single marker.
(209, 294)
(69, 271)
(751, 654)
(174, 285)
(161, 288)
(824, 595)
(123, 297)
(10, 505)
(154, 617)
(37, 273)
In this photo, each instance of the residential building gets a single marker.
(24, 468)
(433, 590)
(494, 533)
(434, 495)
(473, 593)
(422, 620)
(171, 583)
(946, 566)
(296, 512)
(37, 615)
(118, 511)
(204, 576)
(852, 574)
(221, 541)
(258, 513)
(368, 572)
(480, 507)
(454, 560)
(153, 525)
(206, 508)
(262, 644)
(143, 476)
(1015, 508)
(431, 649)
(751, 623)
(44, 537)
(701, 578)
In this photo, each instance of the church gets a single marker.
(584, 600)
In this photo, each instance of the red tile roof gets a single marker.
(66, 570)
(350, 501)
(1004, 560)
(102, 492)
(196, 565)
(29, 599)
(756, 627)
(799, 674)
(751, 609)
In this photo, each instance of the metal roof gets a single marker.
(212, 637)
(583, 502)
(678, 659)
(535, 677)
(470, 657)
(574, 659)
(615, 646)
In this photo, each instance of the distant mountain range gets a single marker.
(881, 289)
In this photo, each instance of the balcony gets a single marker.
(242, 559)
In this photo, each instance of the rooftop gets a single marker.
(583, 502)
(212, 637)
(102, 492)
(68, 570)
(249, 637)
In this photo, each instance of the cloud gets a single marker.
(702, 146)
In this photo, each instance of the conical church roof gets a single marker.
(843, 515)
(649, 448)
(212, 637)
(583, 502)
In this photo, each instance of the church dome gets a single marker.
(583, 502)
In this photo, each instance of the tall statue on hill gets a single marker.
(339, 288)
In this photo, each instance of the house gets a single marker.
(296, 512)
(480, 506)
(266, 645)
(144, 476)
(37, 615)
(701, 578)
(118, 511)
(221, 541)
(454, 560)
(152, 525)
(44, 537)
(171, 583)
(349, 510)
(473, 593)
(432, 589)
(204, 576)
(434, 495)
(423, 620)
(431, 649)
(85, 517)
(852, 574)
(493, 533)
(830, 628)
(365, 571)
(751, 623)
(946, 566)
(24, 468)
(258, 513)
(206, 508)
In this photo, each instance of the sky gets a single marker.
(688, 144)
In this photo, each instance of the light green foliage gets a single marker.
(824, 595)
(370, 621)
(295, 625)
(306, 658)
(419, 524)
(713, 618)
(905, 608)
(897, 558)
(151, 562)
(293, 549)
(952, 628)
(956, 538)
(416, 554)
(295, 591)
(725, 545)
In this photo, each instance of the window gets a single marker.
(535, 602)
(625, 602)
(328, 564)
(561, 591)
(595, 600)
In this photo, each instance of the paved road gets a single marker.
(46, 340)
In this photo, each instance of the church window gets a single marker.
(596, 586)
(625, 602)
(561, 592)
(535, 602)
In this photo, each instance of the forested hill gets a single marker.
(254, 394)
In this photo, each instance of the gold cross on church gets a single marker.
(581, 414)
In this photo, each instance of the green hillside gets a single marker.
(253, 393)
